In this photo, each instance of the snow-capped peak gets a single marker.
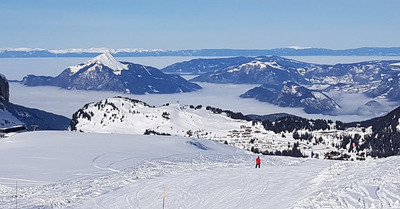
(105, 59)
(108, 60)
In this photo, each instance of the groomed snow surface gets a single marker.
(80, 170)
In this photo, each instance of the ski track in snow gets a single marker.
(219, 181)
(356, 185)
(214, 182)
(191, 183)
(64, 194)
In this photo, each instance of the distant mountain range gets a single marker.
(105, 73)
(291, 51)
(376, 79)
(275, 70)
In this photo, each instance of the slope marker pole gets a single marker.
(163, 202)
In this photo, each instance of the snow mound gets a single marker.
(129, 116)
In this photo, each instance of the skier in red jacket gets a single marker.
(258, 162)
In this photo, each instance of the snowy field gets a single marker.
(77, 170)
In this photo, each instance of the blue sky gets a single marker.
(205, 24)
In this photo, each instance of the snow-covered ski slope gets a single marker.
(88, 170)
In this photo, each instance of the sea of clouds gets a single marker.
(224, 96)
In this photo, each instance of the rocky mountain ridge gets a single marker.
(7, 120)
(4, 90)
(260, 70)
(293, 95)
(201, 65)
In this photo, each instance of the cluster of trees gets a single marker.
(152, 132)
(197, 107)
(134, 101)
(233, 115)
(293, 152)
(287, 123)
(306, 136)
(293, 123)
(384, 140)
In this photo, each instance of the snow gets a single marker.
(104, 59)
(299, 47)
(22, 49)
(7, 119)
(58, 169)
(104, 50)
(319, 95)
(148, 72)
(332, 60)
(256, 64)
(398, 125)
(75, 68)
(120, 115)
(291, 90)
(126, 116)
(370, 184)
(82, 50)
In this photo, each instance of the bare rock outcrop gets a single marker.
(4, 90)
